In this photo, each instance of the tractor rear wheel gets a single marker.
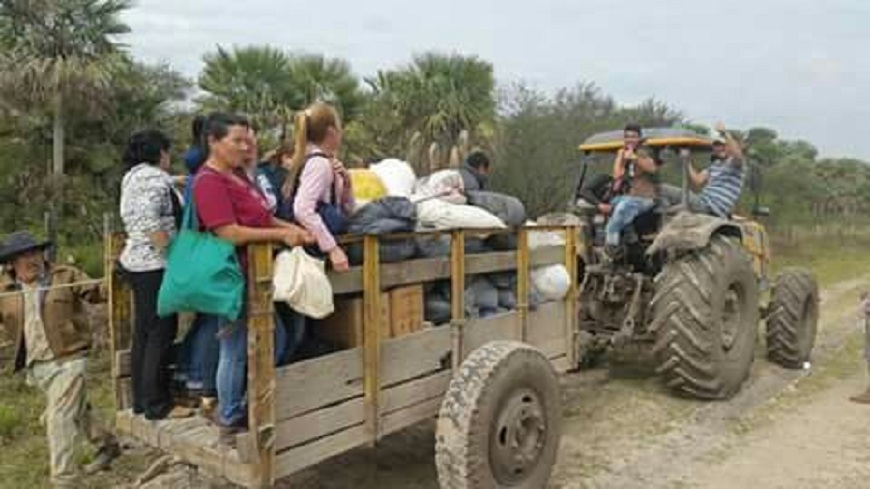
(705, 318)
(793, 317)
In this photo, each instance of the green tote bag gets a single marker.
(202, 272)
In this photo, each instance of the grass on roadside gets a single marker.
(831, 262)
(23, 448)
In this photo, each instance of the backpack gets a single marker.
(330, 212)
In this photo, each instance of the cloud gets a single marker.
(798, 65)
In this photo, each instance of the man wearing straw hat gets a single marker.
(42, 311)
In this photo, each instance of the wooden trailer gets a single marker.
(493, 380)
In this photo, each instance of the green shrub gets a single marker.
(10, 422)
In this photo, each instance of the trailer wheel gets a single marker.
(500, 421)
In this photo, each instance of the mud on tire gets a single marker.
(705, 318)
(792, 318)
(500, 421)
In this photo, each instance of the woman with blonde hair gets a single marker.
(318, 194)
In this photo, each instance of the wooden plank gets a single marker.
(478, 332)
(414, 355)
(348, 282)
(122, 364)
(345, 326)
(414, 271)
(316, 424)
(372, 334)
(561, 364)
(173, 432)
(193, 440)
(523, 283)
(319, 382)
(291, 461)
(119, 305)
(547, 255)
(406, 310)
(410, 416)
(457, 298)
(415, 391)
(261, 364)
(431, 269)
(572, 320)
(497, 261)
(547, 328)
(123, 422)
(124, 391)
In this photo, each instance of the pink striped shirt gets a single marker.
(315, 185)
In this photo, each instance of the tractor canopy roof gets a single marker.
(657, 137)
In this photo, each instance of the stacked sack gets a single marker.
(390, 199)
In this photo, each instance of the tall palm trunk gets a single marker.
(58, 137)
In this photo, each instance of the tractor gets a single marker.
(689, 286)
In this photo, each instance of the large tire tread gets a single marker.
(792, 288)
(460, 461)
(682, 315)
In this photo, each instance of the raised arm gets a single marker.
(732, 146)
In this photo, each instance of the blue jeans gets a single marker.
(625, 209)
(232, 368)
(199, 354)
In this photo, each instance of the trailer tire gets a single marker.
(500, 421)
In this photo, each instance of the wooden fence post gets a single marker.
(119, 311)
(261, 365)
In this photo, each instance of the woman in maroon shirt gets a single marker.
(230, 206)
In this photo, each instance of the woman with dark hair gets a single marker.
(229, 205)
(149, 210)
(195, 155)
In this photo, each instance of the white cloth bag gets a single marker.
(300, 280)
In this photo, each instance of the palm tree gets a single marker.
(254, 80)
(438, 95)
(269, 84)
(317, 78)
(58, 53)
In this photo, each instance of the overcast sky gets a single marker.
(800, 66)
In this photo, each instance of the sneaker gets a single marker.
(103, 460)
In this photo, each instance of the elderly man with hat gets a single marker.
(42, 310)
(718, 187)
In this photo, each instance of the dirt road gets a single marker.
(791, 429)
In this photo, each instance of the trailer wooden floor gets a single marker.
(194, 440)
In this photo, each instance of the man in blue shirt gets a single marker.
(717, 189)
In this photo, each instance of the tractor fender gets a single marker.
(688, 231)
